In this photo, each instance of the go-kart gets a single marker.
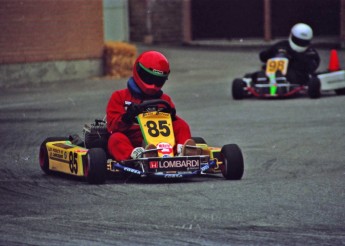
(272, 83)
(88, 157)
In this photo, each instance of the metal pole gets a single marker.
(267, 20)
(148, 38)
(186, 22)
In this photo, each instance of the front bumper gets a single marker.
(174, 167)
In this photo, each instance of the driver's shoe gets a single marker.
(261, 78)
(137, 152)
(280, 78)
(189, 148)
(151, 151)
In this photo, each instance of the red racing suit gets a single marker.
(124, 137)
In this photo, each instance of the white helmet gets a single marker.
(300, 37)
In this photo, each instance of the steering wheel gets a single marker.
(159, 104)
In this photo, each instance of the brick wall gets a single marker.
(160, 18)
(45, 30)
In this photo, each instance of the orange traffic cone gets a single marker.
(333, 61)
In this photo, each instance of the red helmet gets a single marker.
(150, 71)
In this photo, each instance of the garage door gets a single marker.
(231, 19)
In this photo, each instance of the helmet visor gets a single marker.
(150, 76)
(300, 42)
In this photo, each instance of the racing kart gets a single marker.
(272, 82)
(88, 157)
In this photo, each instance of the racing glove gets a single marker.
(132, 111)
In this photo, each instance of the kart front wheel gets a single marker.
(43, 154)
(340, 91)
(233, 166)
(314, 88)
(238, 89)
(95, 166)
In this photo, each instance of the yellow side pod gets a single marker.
(65, 157)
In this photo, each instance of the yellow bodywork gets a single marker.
(275, 64)
(65, 157)
(214, 153)
(157, 129)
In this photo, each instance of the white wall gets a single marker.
(116, 26)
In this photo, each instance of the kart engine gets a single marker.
(96, 135)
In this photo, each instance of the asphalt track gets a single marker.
(292, 192)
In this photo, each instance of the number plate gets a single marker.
(157, 129)
(275, 64)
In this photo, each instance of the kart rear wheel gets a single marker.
(199, 140)
(95, 166)
(340, 91)
(233, 166)
(314, 88)
(238, 89)
(43, 154)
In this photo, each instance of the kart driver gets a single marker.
(150, 71)
(303, 59)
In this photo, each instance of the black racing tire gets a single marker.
(237, 89)
(43, 153)
(233, 165)
(314, 88)
(95, 166)
(340, 91)
(199, 140)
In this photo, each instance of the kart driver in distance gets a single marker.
(303, 59)
(150, 71)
